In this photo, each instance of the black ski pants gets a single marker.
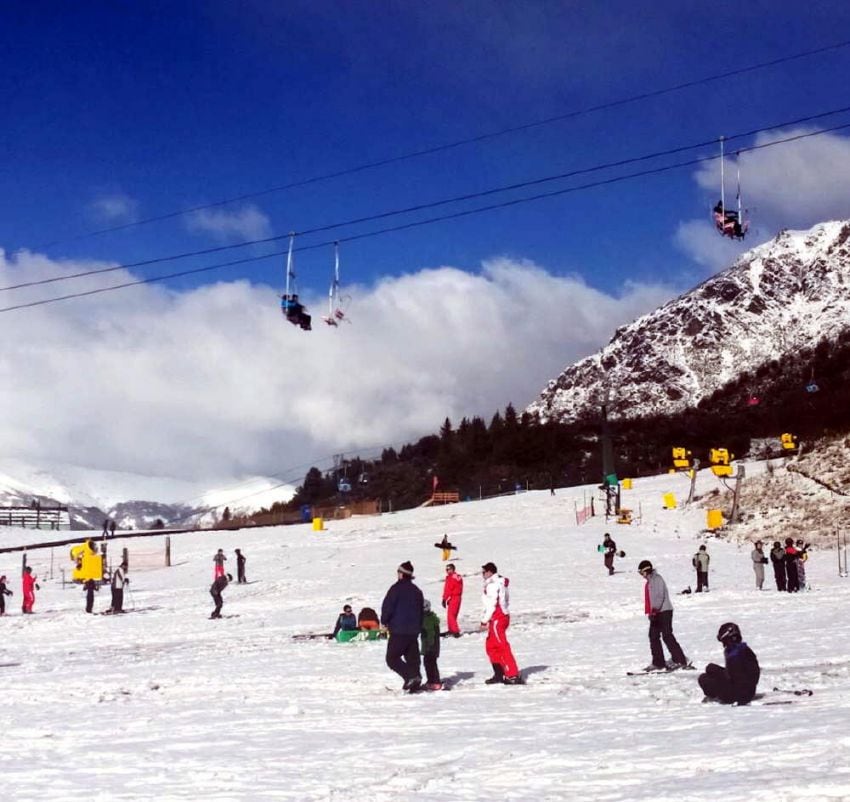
(432, 672)
(403, 655)
(661, 627)
(89, 599)
(716, 684)
(219, 601)
(117, 600)
(702, 581)
(779, 575)
(793, 578)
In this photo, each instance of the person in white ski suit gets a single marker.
(496, 619)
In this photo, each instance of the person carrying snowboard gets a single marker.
(659, 610)
(29, 587)
(446, 547)
(452, 593)
(401, 614)
(609, 548)
(738, 680)
(496, 620)
(218, 585)
(431, 647)
(4, 592)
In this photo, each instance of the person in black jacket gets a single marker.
(4, 592)
(401, 614)
(777, 557)
(90, 588)
(218, 585)
(738, 680)
(240, 567)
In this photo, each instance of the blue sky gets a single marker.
(169, 105)
(118, 112)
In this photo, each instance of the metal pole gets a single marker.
(738, 478)
(694, 469)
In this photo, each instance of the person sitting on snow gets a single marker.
(345, 621)
(367, 618)
(738, 680)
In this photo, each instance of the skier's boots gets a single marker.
(498, 675)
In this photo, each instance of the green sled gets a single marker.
(350, 635)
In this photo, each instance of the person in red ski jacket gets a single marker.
(496, 620)
(452, 592)
(30, 585)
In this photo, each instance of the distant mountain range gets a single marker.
(133, 501)
(773, 302)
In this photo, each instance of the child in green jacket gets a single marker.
(431, 647)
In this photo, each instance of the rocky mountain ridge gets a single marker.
(774, 300)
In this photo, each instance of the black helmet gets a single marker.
(644, 565)
(728, 634)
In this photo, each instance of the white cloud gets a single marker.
(700, 240)
(245, 223)
(114, 208)
(215, 383)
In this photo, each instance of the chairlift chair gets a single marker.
(293, 310)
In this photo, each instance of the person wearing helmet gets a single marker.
(659, 610)
(737, 682)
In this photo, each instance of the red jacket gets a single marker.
(28, 582)
(453, 586)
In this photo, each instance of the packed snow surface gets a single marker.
(163, 703)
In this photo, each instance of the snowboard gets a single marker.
(643, 672)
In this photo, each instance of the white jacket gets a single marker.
(495, 595)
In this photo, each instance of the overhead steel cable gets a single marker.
(459, 143)
(418, 223)
(428, 205)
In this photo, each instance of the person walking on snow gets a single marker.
(792, 578)
(218, 585)
(609, 548)
(496, 620)
(700, 562)
(29, 587)
(112, 529)
(4, 592)
(240, 568)
(736, 682)
(431, 647)
(452, 593)
(759, 561)
(218, 560)
(119, 580)
(659, 610)
(402, 614)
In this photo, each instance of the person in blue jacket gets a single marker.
(401, 614)
(738, 680)
(346, 621)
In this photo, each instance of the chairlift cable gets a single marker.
(399, 227)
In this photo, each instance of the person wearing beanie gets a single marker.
(402, 614)
(216, 589)
(431, 647)
(219, 559)
(759, 562)
(700, 563)
(737, 682)
(496, 620)
(659, 610)
(609, 551)
(452, 593)
(240, 567)
(29, 585)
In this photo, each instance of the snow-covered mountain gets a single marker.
(134, 501)
(775, 299)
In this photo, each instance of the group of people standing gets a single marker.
(789, 564)
(408, 617)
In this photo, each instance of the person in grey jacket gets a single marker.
(759, 562)
(659, 610)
